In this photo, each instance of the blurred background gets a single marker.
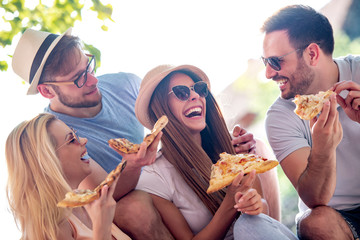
(220, 37)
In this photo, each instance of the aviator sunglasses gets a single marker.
(183, 92)
(74, 139)
(274, 62)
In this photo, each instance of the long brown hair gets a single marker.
(191, 160)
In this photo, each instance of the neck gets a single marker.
(327, 75)
(75, 112)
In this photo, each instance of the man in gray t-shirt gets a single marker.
(318, 156)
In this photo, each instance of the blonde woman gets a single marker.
(192, 141)
(46, 159)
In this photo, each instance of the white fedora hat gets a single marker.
(151, 81)
(31, 53)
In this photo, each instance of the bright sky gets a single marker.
(217, 36)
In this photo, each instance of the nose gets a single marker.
(83, 141)
(193, 95)
(91, 79)
(270, 72)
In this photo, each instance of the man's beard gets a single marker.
(300, 80)
(67, 101)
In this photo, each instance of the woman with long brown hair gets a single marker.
(192, 141)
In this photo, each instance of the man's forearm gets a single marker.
(127, 182)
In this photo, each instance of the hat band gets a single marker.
(40, 55)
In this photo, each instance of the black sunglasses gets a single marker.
(82, 78)
(274, 62)
(183, 92)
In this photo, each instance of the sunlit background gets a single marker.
(217, 36)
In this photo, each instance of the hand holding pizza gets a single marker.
(243, 141)
(102, 212)
(143, 154)
(326, 129)
(247, 199)
(351, 103)
(146, 155)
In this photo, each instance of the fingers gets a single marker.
(238, 131)
(154, 145)
(249, 202)
(345, 85)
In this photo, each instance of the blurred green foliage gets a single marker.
(53, 16)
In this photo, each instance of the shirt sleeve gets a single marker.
(286, 132)
(153, 181)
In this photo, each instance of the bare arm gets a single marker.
(313, 172)
(221, 221)
(130, 176)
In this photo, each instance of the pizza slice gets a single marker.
(308, 106)
(224, 171)
(125, 146)
(81, 197)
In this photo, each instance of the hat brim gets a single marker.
(33, 86)
(148, 86)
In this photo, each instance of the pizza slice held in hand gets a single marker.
(224, 171)
(125, 146)
(308, 106)
(81, 197)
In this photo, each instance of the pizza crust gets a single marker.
(125, 146)
(81, 197)
(308, 106)
(229, 166)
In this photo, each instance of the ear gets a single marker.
(313, 52)
(46, 90)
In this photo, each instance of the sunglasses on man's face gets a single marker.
(274, 62)
(182, 92)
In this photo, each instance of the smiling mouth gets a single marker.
(85, 156)
(193, 112)
(282, 82)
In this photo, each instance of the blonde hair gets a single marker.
(191, 160)
(35, 179)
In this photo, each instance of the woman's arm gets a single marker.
(221, 221)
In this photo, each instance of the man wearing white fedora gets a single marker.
(98, 109)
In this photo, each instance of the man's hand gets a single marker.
(242, 141)
(326, 129)
(351, 104)
(145, 155)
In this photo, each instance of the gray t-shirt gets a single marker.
(115, 120)
(286, 133)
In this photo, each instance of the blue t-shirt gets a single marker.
(287, 132)
(115, 120)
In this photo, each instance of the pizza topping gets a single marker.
(308, 106)
(81, 197)
(229, 166)
(125, 146)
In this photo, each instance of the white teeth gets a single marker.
(85, 156)
(192, 110)
(282, 82)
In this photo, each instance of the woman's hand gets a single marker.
(247, 199)
(249, 202)
(102, 211)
